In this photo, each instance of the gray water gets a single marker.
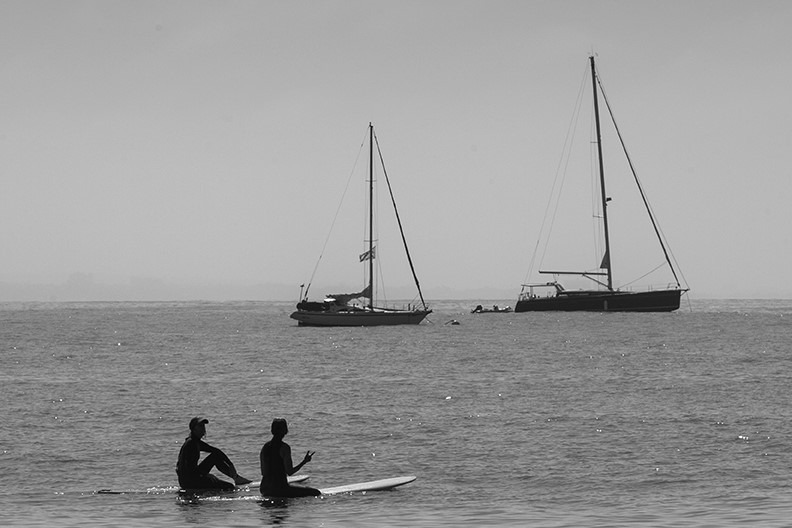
(549, 419)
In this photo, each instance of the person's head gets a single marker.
(198, 427)
(279, 427)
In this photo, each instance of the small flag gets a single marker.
(368, 255)
(605, 261)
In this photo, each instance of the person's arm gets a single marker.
(287, 460)
(206, 448)
(305, 460)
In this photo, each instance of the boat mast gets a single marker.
(371, 216)
(606, 261)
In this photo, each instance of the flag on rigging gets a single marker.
(368, 255)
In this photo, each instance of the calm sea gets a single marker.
(552, 420)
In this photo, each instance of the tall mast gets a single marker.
(371, 216)
(606, 261)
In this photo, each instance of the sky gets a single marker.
(199, 149)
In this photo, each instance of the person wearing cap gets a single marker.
(276, 465)
(194, 475)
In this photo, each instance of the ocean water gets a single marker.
(553, 420)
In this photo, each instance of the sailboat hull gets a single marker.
(360, 317)
(603, 301)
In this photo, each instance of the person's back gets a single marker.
(274, 480)
(276, 466)
(187, 466)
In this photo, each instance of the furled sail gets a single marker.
(344, 298)
(605, 261)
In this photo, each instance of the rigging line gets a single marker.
(335, 217)
(398, 220)
(665, 245)
(383, 288)
(558, 183)
(638, 183)
(675, 268)
(662, 264)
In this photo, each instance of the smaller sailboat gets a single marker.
(339, 309)
(605, 297)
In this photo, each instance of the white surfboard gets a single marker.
(362, 487)
(293, 479)
(155, 490)
(372, 485)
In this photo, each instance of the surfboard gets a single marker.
(362, 487)
(372, 485)
(155, 490)
(294, 479)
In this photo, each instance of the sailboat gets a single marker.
(339, 309)
(552, 296)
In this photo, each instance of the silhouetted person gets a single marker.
(276, 465)
(194, 475)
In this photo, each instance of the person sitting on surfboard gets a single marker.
(276, 465)
(193, 475)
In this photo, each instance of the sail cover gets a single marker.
(344, 298)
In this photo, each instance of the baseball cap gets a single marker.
(198, 420)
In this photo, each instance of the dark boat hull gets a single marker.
(360, 317)
(596, 301)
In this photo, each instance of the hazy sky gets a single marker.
(209, 142)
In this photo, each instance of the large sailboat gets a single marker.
(604, 297)
(344, 309)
